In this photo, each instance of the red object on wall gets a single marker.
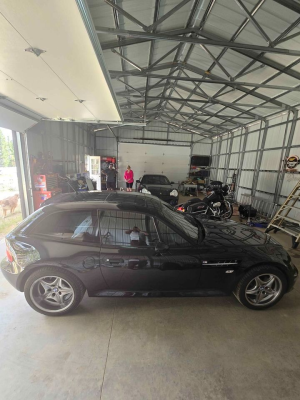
(45, 183)
(40, 197)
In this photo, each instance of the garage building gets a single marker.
(157, 85)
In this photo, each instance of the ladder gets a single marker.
(282, 221)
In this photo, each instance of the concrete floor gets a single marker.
(142, 349)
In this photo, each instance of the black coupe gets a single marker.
(159, 186)
(131, 244)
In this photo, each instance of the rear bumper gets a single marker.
(9, 273)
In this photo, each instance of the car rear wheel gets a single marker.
(53, 292)
(261, 287)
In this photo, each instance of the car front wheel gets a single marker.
(261, 287)
(53, 292)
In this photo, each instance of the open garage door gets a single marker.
(172, 161)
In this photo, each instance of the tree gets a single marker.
(7, 158)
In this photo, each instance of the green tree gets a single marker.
(7, 158)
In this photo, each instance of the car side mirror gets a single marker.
(160, 247)
(138, 181)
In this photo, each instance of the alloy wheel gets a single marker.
(52, 294)
(263, 290)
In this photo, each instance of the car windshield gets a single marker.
(186, 223)
(155, 180)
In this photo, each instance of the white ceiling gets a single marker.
(69, 70)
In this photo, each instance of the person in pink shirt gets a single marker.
(128, 176)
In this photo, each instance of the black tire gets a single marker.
(247, 282)
(69, 283)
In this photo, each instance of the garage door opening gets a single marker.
(10, 207)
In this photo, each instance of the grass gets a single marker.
(9, 223)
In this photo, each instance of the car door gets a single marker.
(128, 264)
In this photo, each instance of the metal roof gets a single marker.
(201, 66)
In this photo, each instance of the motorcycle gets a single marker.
(213, 205)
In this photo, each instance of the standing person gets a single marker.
(111, 175)
(128, 176)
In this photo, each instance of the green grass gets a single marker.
(9, 223)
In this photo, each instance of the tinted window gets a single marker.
(119, 228)
(80, 226)
(155, 180)
(178, 219)
(170, 237)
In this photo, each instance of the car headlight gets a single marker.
(144, 190)
(174, 193)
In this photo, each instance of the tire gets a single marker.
(253, 291)
(53, 292)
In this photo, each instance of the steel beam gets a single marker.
(254, 22)
(236, 85)
(290, 4)
(126, 14)
(163, 57)
(168, 14)
(160, 36)
(207, 13)
(209, 101)
(255, 57)
(127, 60)
(129, 42)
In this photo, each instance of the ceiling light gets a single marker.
(41, 98)
(35, 51)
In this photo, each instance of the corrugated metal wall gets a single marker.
(255, 153)
(67, 143)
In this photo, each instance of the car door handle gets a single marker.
(114, 261)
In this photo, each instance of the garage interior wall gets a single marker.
(256, 154)
(157, 139)
(67, 142)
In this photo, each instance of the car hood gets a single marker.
(231, 233)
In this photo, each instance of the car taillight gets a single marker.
(21, 254)
(9, 255)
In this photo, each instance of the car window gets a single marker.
(181, 221)
(155, 180)
(127, 229)
(170, 237)
(79, 226)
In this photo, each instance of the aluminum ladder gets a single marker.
(281, 220)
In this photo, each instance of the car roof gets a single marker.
(120, 201)
(154, 175)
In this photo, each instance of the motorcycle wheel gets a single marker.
(227, 214)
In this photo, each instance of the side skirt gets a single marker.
(187, 293)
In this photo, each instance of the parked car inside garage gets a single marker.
(134, 244)
(159, 186)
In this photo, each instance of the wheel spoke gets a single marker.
(66, 290)
(270, 282)
(259, 297)
(45, 285)
(258, 281)
(252, 291)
